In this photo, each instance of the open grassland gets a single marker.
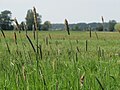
(62, 62)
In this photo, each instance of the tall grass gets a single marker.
(77, 62)
(5, 41)
(67, 27)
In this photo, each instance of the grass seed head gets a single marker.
(82, 79)
(67, 26)
(18, 26)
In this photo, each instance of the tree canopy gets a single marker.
(5, 20)
(111, 25)
(30, 19)
(46, 26)
(117, 27)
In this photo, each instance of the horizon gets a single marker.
(75, 11)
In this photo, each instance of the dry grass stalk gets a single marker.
(77, 41)
(86, 45)
(77, 49)
(47, 42)
(23, 72)
(99, 53)
(102, 53)
(76, 57)
(102, 22)
(96, 35)
(17, 80)
(90, 31)
(50, 36)
(36, 28)
(54, 65)
(58, 51)
(34, 31)
(18, 26)
(35, 18)
(82, 79)
(25, 28)
(3, 34)
(31, 43)
(67, 26)
(40, 51)
(15, 37)
(102, 19)
(99, 83)
(57, 85)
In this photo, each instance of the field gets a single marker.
(60, 61)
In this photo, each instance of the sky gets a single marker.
(55, 11)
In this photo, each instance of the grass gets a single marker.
(63, 61)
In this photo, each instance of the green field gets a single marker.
(60, 61)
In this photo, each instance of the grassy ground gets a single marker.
(75, 62)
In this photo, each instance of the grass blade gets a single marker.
(99, 83)
(31, 43)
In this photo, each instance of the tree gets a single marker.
(100, 27)
(22, 25)
(30, 19)
(46, 26)
(117, 27)
(111, 25)
(5, 20)
(76, 28)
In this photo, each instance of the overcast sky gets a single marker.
(73, 10)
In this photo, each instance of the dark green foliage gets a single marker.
(111, 25)
(5, 20)
(30, 20)
(46, 26)
(100, 27)
(23, 26)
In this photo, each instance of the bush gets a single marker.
(117, 27)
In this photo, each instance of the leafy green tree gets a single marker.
(76, 28)
(46, 26)
(100, 27)
(22, 25)
(30, 19)
(111, 25)
(117, 27)
(5, 20)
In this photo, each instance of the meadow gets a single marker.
(60, 61)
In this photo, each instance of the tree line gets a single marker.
(6, 23)
(106, 26)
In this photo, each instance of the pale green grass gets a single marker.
(64, 60)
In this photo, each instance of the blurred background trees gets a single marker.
(6, 23)
(30, 20)
(46, 26)
(117, 27)
(6, 20)
(111, 25)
